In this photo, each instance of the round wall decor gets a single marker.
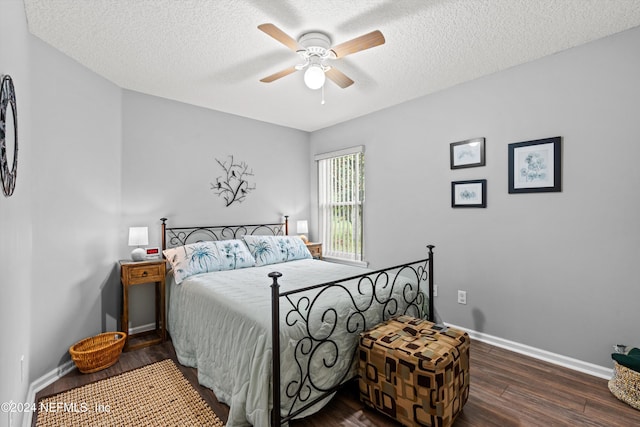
(8, 128)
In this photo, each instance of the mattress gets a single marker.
(220, 323)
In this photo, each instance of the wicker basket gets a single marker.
(96, 353)
(625, 385)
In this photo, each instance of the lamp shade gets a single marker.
(138, 236)
(302, 226)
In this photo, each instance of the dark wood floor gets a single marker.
(507, 389)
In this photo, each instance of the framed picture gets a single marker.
(469, 194)
(535, 166)
(467, 154)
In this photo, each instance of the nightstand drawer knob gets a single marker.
(144, 273)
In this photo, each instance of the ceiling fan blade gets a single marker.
(280, 35)
(367, 41)
(338, 77)
(279, 75)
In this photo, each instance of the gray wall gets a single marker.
(15, 216)
(59, 230)
(555, 271)
(76, 132)
(168, 165)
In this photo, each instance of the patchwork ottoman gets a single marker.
(414, 371)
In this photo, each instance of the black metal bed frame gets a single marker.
(180, 236)
(369, 291)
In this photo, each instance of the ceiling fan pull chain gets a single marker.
(322, 100)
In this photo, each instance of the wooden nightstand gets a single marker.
(315, 249)
(135, 273)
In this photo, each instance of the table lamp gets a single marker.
(138, 236)
(303, 229)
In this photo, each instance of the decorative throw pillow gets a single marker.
(194, 258)
(275, 249)
(234, 254)
(203, 257)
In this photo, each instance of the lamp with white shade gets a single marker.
(138, 236)
(302, 227)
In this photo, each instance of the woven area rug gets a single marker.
(154, 395)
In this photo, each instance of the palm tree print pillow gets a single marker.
(234, 254)
(204, 257)
(194, 258)
(275, 249)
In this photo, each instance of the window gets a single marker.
(341, 202)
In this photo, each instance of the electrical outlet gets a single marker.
(435, 290)
(462, 297)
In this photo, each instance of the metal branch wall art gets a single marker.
(233, 186)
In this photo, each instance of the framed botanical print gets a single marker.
(469, 194)
(467, 154)
(535, 166)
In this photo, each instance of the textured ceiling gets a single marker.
(211, 54)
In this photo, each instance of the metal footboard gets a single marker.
(366, 298)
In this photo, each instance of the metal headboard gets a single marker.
(180, 236)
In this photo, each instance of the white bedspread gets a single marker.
(220, 323)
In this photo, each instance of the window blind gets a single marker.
(341, 203)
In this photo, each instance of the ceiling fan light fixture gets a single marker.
(314, 77)
(315, 50)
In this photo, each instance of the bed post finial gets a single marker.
(275, 347)
(164, 234)
(286, 225)
(431, 316)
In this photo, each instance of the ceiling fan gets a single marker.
(316, 52)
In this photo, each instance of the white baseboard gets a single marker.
(536, 353)
(142, 328)
(40, 383)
